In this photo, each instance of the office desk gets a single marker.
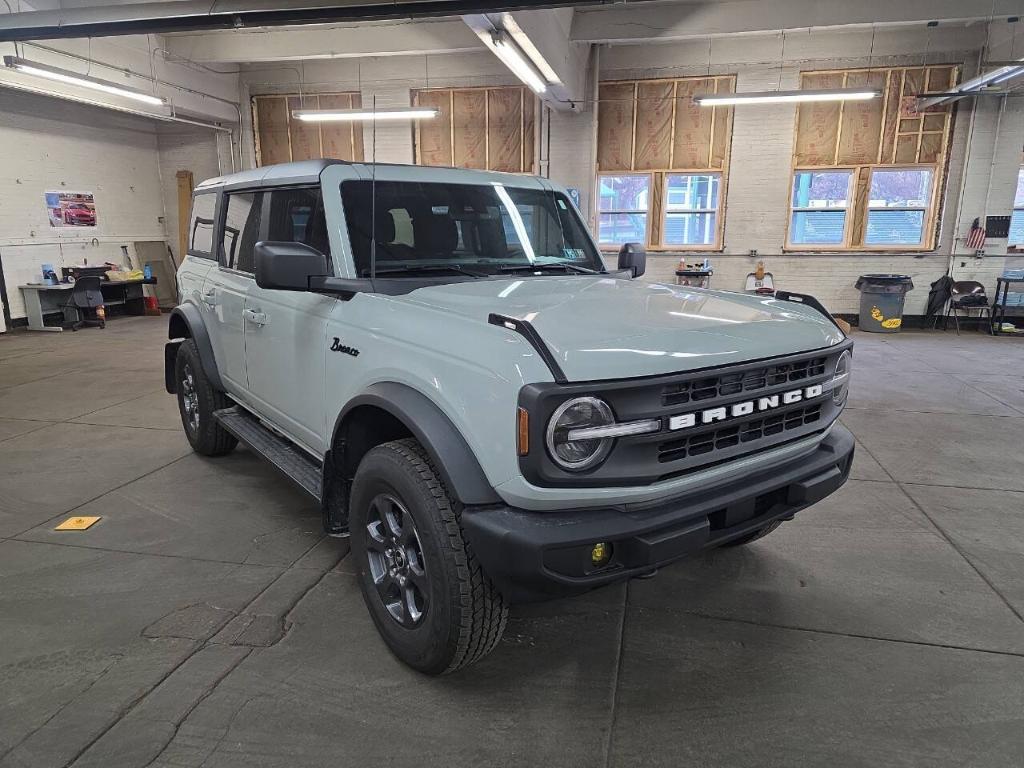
(42, 299)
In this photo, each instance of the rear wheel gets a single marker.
(760, 533)
(197, 400)
(427, 594)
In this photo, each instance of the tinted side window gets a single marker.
(200, 242)
(297, 215)
(242, 229)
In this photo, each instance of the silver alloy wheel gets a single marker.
(396, 560)
(190, 400)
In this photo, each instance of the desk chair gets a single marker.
(85, 296)
(966, 295)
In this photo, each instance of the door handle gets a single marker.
(255, 317)
(210, 297)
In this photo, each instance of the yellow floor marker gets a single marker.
(77, 524)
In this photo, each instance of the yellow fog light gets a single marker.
(601, 553)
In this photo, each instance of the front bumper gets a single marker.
(541, 555)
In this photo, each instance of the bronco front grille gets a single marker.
(752, 380)
(706, 417)
(745, 432)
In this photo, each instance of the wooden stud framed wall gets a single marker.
(857, 140)
(488, 128)
(670, 158)
(281, 139)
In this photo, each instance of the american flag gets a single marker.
(976, 237)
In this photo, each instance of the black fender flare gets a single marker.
(441, 439)
(193, 319)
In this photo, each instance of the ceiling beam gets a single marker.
(193, 15)
(681, 21)
(325, 42)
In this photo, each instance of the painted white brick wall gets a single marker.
(383, 141)
(571, 153)
(55, 145)
(183, 148)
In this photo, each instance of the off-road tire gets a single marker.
(209, 438)
(465, 615)
(760, 533)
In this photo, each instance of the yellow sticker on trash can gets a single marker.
(892, 322)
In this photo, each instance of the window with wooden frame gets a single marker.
(1016, 234)
(662, 163)
(280, 138)
(867, 175)
(484, 128)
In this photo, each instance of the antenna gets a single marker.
(373, 191)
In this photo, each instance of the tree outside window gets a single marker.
(898, 202)
(819, 205)
(623, 203)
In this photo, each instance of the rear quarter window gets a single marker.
(204, 208)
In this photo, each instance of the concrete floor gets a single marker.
(206, 621)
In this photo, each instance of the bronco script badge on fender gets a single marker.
(337, 346)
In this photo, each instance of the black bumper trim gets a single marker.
(541, 555)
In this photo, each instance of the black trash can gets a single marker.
(881, 301)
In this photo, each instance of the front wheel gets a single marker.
(428, 596)
(197, 400)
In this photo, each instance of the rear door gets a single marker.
(285, 331)
(227, 286)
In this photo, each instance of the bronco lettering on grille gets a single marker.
(747, 407)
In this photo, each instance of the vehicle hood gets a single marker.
(609, 328)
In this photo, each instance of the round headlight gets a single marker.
(579, 413)
(841, 378)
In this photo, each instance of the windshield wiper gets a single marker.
(422, 268)
(567, 266)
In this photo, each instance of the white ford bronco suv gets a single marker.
(441, 359)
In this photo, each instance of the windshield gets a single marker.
(474, 229)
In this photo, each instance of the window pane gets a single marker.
(828, 189)
(689, 229)
(900, 189)
(617, 228)
(1018, 199)
(241, 230)
(1017, 228)
(689, 192)
(481, 227)
(297, 215)
(624, 193)
(817, 227)
(895, 228)
(202, 223)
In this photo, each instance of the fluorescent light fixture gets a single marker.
(505, 49)
(73, 78)
(777, 97)
(356, 115)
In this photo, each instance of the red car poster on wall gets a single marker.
(71, 209)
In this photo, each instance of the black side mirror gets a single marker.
(287, 266)
(633, 256)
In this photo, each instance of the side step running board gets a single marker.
(301, 468)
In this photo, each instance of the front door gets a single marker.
(285, 331)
